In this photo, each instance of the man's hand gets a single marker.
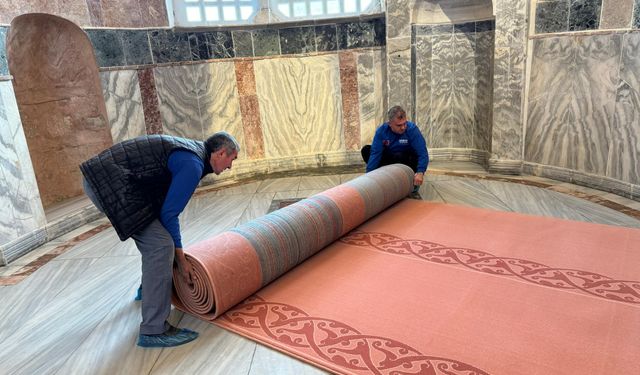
(184, 266)
(418, 178)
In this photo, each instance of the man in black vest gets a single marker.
(142, 185)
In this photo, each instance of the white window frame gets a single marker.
(180, 11)
(273, 4)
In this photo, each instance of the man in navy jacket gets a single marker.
(398, 141)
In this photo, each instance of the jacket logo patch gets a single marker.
(385, 142)
(403, 141)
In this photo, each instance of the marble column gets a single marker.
(21, 212)
(398, 31)
(508, 85)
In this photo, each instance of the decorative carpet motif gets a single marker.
(481, 261)
(335, 342)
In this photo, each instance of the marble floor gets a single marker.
(73, 312)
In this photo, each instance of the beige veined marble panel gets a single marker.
(300, 105)
(218, 100)
(121, 93)
(178, 103)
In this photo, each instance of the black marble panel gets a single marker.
(380, 32)
(552, 16)
(198, 46)
(584, 14)
(326, 38)
(137, 50)
(220, 44)
(442, 29)
(468, 27)
(242, 44)
(169, 46)
(4, 66)
(489, 25)
(358, 34)
(266, 42)
(635, 23)
(297, 40)
(108, 48)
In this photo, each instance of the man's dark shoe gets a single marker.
(139, 294)
(171, 337)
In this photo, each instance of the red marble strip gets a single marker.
(350, 103)
(150, 104)
(153, 13)
(250, 109)
(34, 265)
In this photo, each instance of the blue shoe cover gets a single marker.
(139, 294)
(172, 337)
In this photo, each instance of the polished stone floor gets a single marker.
(72, 310)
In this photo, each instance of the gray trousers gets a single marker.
(157, 249)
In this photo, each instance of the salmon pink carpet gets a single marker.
(424, 288)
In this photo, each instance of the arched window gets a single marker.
(213, 12)
(320, 8)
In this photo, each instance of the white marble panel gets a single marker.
(300, 105)
(370, 93)
(623, 161)
(423, 85)
(21, 210)
(218, 100)
(399, 73)
(572, 99)
(121, 93)
(178, 101)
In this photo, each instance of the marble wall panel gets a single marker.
(60, 98)
(108, 47)
(218, 100)
(510, 46)
(584, 14)
(297, 40)
(464, 84)
(121, 92)
(300, 105)
(169, 46)
(266, 42)
(572, 97)
(439, 133)
(552, 16)
(484, 89)
(616, 14)
(150, 105)
(242, 43)
(370, 93)
(350, 105)
(121, 13)
(399, 73)
(136, 47)
(95, 12)
(326, 38)
(20, 207)
(423, 84)
(4, 66)
(635, 22)
(198, 46)
(220, 44)
(153, 13)
(398, 18)
(624, 149)
(178, 101)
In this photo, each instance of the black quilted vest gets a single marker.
(131, 178)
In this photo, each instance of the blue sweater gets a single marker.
(386, 139)
(186, 171)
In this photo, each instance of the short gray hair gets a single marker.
(395, 111)
(221, 140)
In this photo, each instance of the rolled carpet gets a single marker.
(235, 264)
